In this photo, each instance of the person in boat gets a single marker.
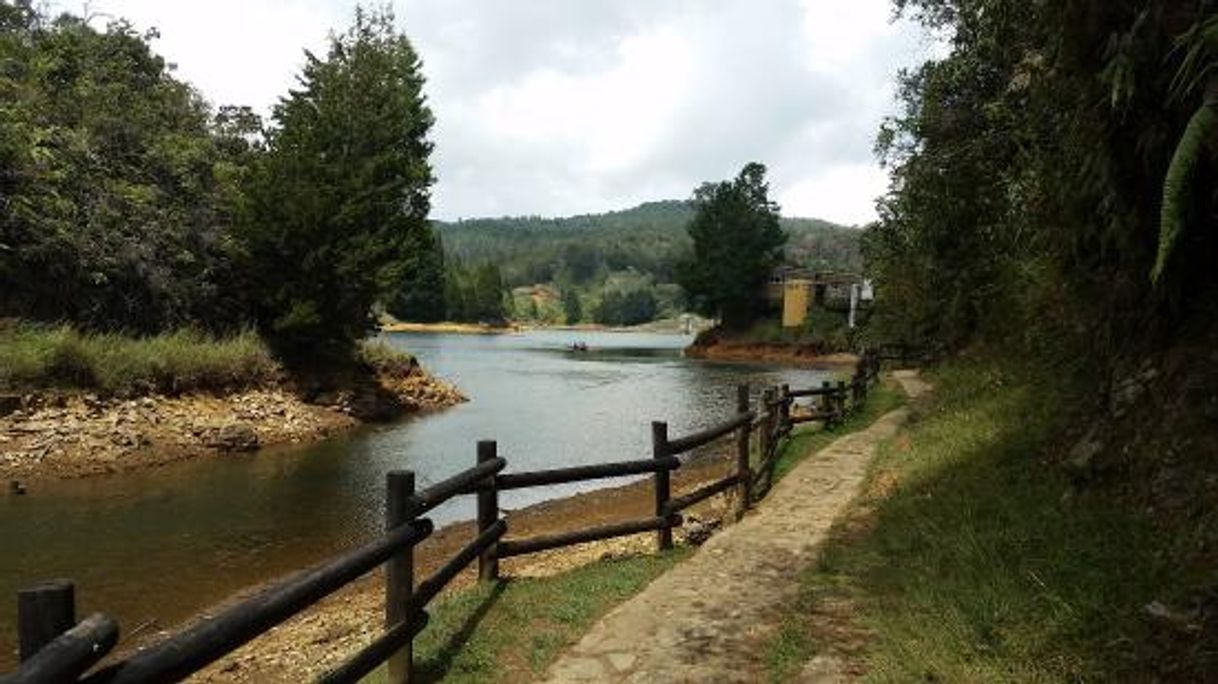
(579, 346)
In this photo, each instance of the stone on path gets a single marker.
(707, 619)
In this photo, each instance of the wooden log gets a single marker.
(680, 503)
(461, 483)
(193, 649)
(697, 439)
(70, 654)
(744, 474)
(659, 450)
(44, 611)
(488, 513)
(841, 398)
(821, 391)
(539, 478)
(400, 504)
(430, 587)
(375, 653)
(519, 547)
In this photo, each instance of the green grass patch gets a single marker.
(973, 559)
(40, 357)
(513, 630)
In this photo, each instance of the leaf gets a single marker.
(1177, 185)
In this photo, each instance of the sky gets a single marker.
(561, 107)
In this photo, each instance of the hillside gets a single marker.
(647, 238)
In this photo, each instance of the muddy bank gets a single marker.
(68, 435)
(324, 636)
(451, 328)
(716, 347)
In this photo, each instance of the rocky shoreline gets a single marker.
(69, 435)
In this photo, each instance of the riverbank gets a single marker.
(74, 404)
(714, 345)
(451, 328)
(71, 434)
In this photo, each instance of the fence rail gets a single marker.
(55, 647)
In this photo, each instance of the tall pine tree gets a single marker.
(341, 198)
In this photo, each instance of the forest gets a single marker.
(615, 268)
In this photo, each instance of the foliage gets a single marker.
(474, 295)
(1028, 166)
(339, 202)
(572, 309)
(38, 357)
(117, 188)
(737, 242)
(626, 307)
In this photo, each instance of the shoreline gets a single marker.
(322, 636)
(70, 435)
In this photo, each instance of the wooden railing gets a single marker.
(54, 647)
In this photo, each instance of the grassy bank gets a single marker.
(39, 357)
(36, 357)
(973, 557)
(513, 630)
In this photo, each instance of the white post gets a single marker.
(854, 302)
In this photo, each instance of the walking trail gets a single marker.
(705, 620)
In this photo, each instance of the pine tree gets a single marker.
(342, 196)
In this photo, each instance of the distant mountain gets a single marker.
(648, 238)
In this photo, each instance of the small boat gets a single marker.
(579, 346)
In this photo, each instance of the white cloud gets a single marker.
(559, 107)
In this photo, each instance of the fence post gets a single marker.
(767, 426)
(784, 425)
(659, 450)
(44, 611)
(826, 400)
(743, 469)
(488, 514)
(841, 400)
(399, 570)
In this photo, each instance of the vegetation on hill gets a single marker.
(557, 267)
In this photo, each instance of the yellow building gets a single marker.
(796, 297)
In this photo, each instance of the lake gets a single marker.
(155, 547)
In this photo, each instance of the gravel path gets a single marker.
(705, 620)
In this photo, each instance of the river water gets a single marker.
(160, 545)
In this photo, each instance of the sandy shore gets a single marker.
(451, 328)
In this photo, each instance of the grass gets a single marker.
(513, 630)
(972, 558)
(39, 357)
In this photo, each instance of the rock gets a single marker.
(1084, 452)
(697, 531)
(1176, 619)
(10, 403)
(233, 437)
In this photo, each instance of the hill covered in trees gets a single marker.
(617, 267)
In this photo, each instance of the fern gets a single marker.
(1177, 185)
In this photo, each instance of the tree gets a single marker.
(422, 295)
(340, 200)
(737, 242)
(571, 306)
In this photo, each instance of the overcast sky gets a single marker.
(558, 107)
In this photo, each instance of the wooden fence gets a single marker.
(54, 647)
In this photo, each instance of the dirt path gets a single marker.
(706, 619)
